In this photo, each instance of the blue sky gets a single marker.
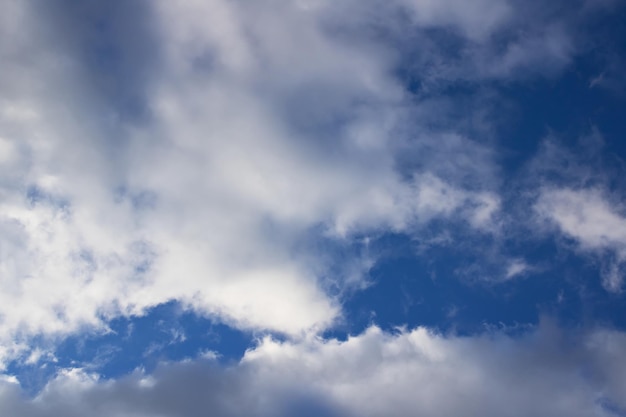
(312, 207)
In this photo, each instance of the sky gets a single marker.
(312, 208)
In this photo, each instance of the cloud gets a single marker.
(258, 127)
(516, 268)
(547, 371)
(201, 151)
(476, 20)
(596, 223)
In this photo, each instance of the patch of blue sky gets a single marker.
(462, 291)
(35, 195)
(166, 333)
(612, 408)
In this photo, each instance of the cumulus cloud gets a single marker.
(410, 372)
(197, 151)
(254, 126)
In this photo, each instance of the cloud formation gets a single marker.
(596, 224)
(544, 372)
(197, 179)
(215, 153)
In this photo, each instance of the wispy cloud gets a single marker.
(593, 221)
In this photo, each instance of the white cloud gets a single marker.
(592, 220)
(435, 198)
(544, 372)
(204, 170)
(585, 215)
(208, 170)
(515, 268)
(262, 130)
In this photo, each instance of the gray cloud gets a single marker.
(547, 371)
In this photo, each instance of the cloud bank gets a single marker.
(545, 372)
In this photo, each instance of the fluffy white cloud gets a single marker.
(261, 130)
(544, 372)
(198, 150)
